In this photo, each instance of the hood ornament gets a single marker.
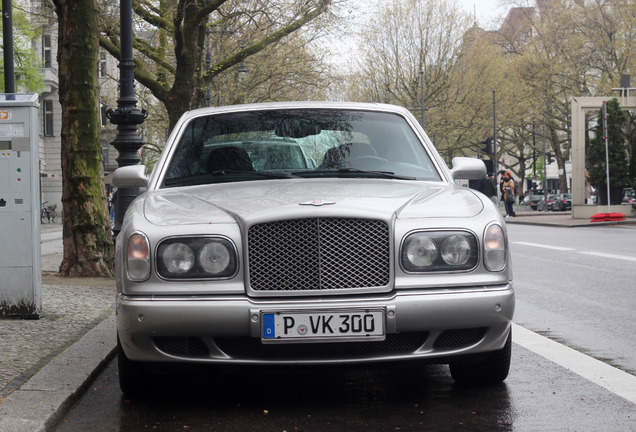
(317, 203)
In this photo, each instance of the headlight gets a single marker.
(215, 257)
(177, 258)
(494, 248)
(420, 251)
(456, 250)
(429, 251)
(138, 258)
(196, 258)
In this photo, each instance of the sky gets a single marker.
(487, 11)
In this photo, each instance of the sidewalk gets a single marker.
(46, 364)
(558, 219)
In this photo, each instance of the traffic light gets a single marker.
(488, 148)
(549, 157)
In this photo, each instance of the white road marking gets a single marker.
(560, 248)
(613, 379)
(544, 246)
(606, 255)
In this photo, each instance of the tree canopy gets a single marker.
(186, 48)
(539, 58)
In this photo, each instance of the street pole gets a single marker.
(606, 139)
(127, 116)
(545, 173)
(494, 137)
(534, 152)
(422, 99)
(494, 129)
(7, 38)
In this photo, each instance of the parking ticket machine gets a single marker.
(20, 256)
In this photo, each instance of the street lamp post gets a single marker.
(127, 116)
(7, 37)
(422, 101)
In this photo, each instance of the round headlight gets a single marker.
(456, 250)
(178, 258)
(214, 257)
(420, 251)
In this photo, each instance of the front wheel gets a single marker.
(53, 216)
(491, 369)
(44, 217)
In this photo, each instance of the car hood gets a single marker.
(255, 201)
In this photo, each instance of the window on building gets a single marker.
(46, 51)
(104, 113)
(102, 65)
(47, 116)
(105, 155)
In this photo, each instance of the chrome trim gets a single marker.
(390, 265)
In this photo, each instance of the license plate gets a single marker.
(323, 325)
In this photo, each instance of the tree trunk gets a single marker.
(88, 248)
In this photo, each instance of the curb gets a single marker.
(582, 224)
(42, 401)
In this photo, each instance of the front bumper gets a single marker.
(421, 324)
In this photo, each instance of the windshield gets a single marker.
(297, 143)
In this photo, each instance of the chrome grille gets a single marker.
(319, 254)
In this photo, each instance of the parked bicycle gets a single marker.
(48, 213)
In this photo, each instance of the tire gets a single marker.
(53, 216)
(132, 374)
(489, 370)
(44, 217)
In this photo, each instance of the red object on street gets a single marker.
(608, 217)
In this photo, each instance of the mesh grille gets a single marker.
(182, 346)
(253, 349)
(460, 337)
(319, 254)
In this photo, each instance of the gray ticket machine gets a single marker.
(20, 252)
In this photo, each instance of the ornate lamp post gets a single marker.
(127, 116)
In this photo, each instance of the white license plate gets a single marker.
(323, 325)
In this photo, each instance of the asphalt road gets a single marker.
(574, 286)
(578, 286)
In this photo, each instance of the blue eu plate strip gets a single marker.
(269, 331)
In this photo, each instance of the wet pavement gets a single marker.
(538, 395)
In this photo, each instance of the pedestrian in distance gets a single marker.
(489, 187)
(508, 186)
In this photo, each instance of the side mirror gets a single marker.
(468, 168)
(131, 176)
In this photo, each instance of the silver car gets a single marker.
(310, 233)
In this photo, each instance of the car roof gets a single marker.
(298, 105)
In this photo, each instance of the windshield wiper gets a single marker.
(211, 178)
(383, 174)
(266, 174)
